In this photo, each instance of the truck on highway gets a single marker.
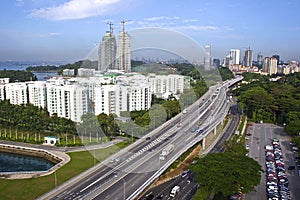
(175, 190)
(166, 151)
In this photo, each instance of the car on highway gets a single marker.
(175, 190)
(291, 167)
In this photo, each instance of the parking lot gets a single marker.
(258, 137)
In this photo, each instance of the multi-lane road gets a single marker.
(186, 181)
(139, 163)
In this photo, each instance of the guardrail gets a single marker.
(178, 154)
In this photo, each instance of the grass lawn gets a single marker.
(33, 188)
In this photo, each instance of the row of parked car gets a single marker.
(276, 178)
(295, 149)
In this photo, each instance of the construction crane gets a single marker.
(110, 27)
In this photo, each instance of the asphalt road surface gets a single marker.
(163, 191)
(262, 135)
(109, 181)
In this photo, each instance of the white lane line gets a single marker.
(90, 185)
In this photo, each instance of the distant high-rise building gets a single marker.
(265, 66)
(107, 52)
(216, 62)
(207, 58)
(226, 61)
(272, 66)
(234, 56)
(259, 59)
(248, 56)
(123, 50)
(277, 58)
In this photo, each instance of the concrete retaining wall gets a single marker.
(52, 157)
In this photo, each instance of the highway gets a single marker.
(139, 163)
(189, 188)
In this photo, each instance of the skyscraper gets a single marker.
(207, 63)
(265, 66)
(272, 66)
(277, 58)
(107, 51)
(234, 57)
(248, 56)
(123, 50)
(259, 59)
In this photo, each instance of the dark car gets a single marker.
(291, 167)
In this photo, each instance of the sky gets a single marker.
(67, 30)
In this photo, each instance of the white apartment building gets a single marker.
(16, 93)
(72, 101)
(3, 81)
(167, 84)
(111, 93)
(37, 93)
(83, 72)
(67, 98)
(122, 97)
(272, 69)
(2, 92)
(234, 55)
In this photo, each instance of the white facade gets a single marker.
(207, 58)
(67, 100)
(82, 72)
(172, 83)
(72, 102)
(2, 92)
(16, 93)
(68, 72)
(123, 52)
(122, 97)
(111, 93)
(4, 80)
(37, 93)
(234, 55)
(272, 66)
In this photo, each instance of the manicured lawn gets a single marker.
(33, 188)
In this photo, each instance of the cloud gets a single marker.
(151, 19)
(19, 2)
(202, 28)
(26, 34)
(76, 9)
(48, 34)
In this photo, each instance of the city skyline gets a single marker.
(67, 30)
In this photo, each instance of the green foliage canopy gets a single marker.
(227, 173)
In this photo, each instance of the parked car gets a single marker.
(291, 167)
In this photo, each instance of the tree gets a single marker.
(172, 108)
(226, 73)
(293, 128)
(227, 173)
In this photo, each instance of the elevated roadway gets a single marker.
(139, 164)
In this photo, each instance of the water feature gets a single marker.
(10, 162)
